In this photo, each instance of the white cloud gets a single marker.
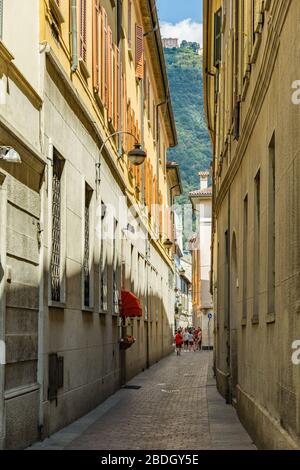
(184, 30)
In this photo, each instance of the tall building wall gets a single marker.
(62, 269)
(256, 211)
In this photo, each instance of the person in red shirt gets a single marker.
(178, 342)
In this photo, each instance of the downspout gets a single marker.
(119, 43)
(44, 48)
(74, 32)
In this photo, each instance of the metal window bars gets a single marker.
(56, 230)
(86, 267)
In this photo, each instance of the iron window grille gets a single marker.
(103, 264)
(56, 229)
(115, 271)
(86, 257)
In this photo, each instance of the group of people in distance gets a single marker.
(189, 338)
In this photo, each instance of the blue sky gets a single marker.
(173, 11)
(181, 19)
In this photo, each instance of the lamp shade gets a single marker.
(168, 243)
(137, 155)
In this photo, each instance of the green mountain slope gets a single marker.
(193, 152)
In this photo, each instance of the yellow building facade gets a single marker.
(83, 222)
(251, 93)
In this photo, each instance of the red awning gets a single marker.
(130, 305)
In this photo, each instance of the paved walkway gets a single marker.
(177, 407)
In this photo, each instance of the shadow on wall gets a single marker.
(81, 354)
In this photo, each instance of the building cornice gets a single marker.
(257, 99)
(109, 155)
(150, 20)
(8, 67)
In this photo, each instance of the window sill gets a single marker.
(98, 100)
(54, 304)
(84, 69)
(271, 318)
(102, 312)
(56, 12)
(130, 53)
(19, 391)
(244, 322)
(87, 309)
(255, 321)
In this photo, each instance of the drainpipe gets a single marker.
(119, 43)
(44, 49)
(74, 33)
(1, 20)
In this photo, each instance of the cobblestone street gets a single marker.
(176, 407)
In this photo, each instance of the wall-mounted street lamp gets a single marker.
(136, 156)
(9, 154)
(168, 243)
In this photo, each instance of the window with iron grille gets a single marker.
(115, 279)
(55, 263)
(86, 257)
(103, 264)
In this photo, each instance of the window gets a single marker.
(104, 55)
(110, 73)
(271, 228)
(148, 102)
(96, 37)
(55, 263)
(256, 257)
(129, 22)
(218, 38)
(245, 258)
(115, 270)
(83, 31)
(86, 253)
(116, 88)
(139, 52)
(103, 262)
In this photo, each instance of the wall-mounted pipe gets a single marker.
(74, 36)
(1, 20)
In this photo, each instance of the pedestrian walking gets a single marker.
(200, 339)
(186, 340)
(191, 340)
(178, 342)
(196, 339)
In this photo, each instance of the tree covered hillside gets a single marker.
(193, 152)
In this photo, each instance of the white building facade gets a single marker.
(201, 244)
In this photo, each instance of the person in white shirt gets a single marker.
(186, 340)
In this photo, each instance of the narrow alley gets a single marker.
(176, 406)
